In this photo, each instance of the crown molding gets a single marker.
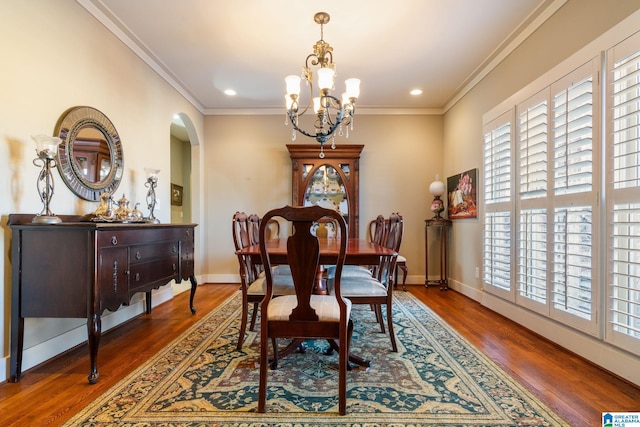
(511, 43)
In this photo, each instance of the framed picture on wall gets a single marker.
(176, 195)
(462, 195)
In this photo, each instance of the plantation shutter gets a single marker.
(532, 167)
(572, 138)
(533, 149)
(496, 247)
(573, 273)
(623, 196)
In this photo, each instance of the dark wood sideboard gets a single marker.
(79, 268)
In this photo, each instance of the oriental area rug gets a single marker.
(435, 379)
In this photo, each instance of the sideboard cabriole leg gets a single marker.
(94, 326)
(194, 285)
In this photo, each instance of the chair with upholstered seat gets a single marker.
(252, 280)
(376, 233)
(304, 315)
(401, 263)
(377, 289)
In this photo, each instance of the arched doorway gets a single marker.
(181, 186)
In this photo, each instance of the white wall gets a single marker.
(56, 56)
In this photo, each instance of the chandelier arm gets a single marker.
(321, 137)
(310, 102)
(292, 118)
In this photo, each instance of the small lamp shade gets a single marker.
(46, 146)
(437, 188)
(293, 85)
(152, 174)
(325, 78)
(352, 87)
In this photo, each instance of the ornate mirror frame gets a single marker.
(71, 123)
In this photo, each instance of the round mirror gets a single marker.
(90, 156)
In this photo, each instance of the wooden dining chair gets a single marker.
(254, 229)
(252, 279)
(401, 262)
(376, 233)
(376, 289)
(304, 315)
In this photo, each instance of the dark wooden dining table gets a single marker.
(359, 252)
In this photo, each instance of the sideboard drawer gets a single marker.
(158, 271)
(142, 253)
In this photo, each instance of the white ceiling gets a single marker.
(203, 47)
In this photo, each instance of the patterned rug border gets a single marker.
(229, 311)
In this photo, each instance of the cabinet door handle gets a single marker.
(138, 255)
(114, 240)
(174, 266)
(174, 249)
(137, 277)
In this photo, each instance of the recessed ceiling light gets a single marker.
(416, 92)
(230, 92)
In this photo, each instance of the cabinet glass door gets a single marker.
(325, 187)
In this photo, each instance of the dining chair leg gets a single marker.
(274, 362)
(392, 334)
(405, 271)
(264, 362)
(254, 315)
(343, 360)
(379, 318)
(243, 322)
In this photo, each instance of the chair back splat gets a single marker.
(377, 230)
(305, 314)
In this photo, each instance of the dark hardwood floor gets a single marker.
(578, 391)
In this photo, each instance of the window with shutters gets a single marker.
(549, 221)
(622, 183)
(561, 225)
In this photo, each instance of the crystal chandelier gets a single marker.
(331, 113)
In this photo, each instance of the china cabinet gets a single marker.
(330, 182)
(438, 229)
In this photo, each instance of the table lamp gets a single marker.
(437, 189)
